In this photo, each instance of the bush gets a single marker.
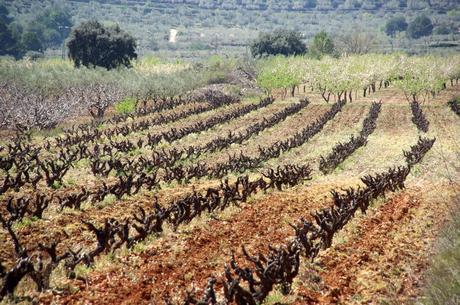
(215, 95)
(218, 69)
(199, 46)
(442, 30)
(91, 44)
(128, 105)
(394, 25)
(283, 42)
(420, 27)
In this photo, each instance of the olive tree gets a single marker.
(279, 42)
(395, 25)
(92, 44)
(420, 27)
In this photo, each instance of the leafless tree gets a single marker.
(356, 41)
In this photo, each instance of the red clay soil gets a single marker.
(176, 261)
(378, 263)
(382, 257)
(54, 229)
(377, 250)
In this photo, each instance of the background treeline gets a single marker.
(305, 4)
(228, 27)
(46, 28)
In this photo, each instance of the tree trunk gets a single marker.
(323, 94)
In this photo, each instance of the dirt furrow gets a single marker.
(174, 261)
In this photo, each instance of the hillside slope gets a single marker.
(208, 27)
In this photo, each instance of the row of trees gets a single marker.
(277, 5)
(287, 42)
(421, 26)
(344, 78)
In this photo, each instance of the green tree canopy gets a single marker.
(420, 27)
(92, 44)
(31, 42)
(309, 4)
(49, 28)
(442, 30)
(321, 45)
(394, 25)
(52, 26)
(284, 42)
(4, 15)
(7, 41)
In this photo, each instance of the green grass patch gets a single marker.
(82, 271)
(25, 222)
(70, 182)
(126, 106)
(108, 200)
(277, 298)
(56, 185)
(83, 163)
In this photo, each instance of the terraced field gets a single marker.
(205, 202)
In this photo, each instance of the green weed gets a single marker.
(25, 222)
(128, 105)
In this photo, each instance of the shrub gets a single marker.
(217, 69)
(128, 105)
(442, 30)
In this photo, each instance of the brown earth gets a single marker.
(379, 257)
